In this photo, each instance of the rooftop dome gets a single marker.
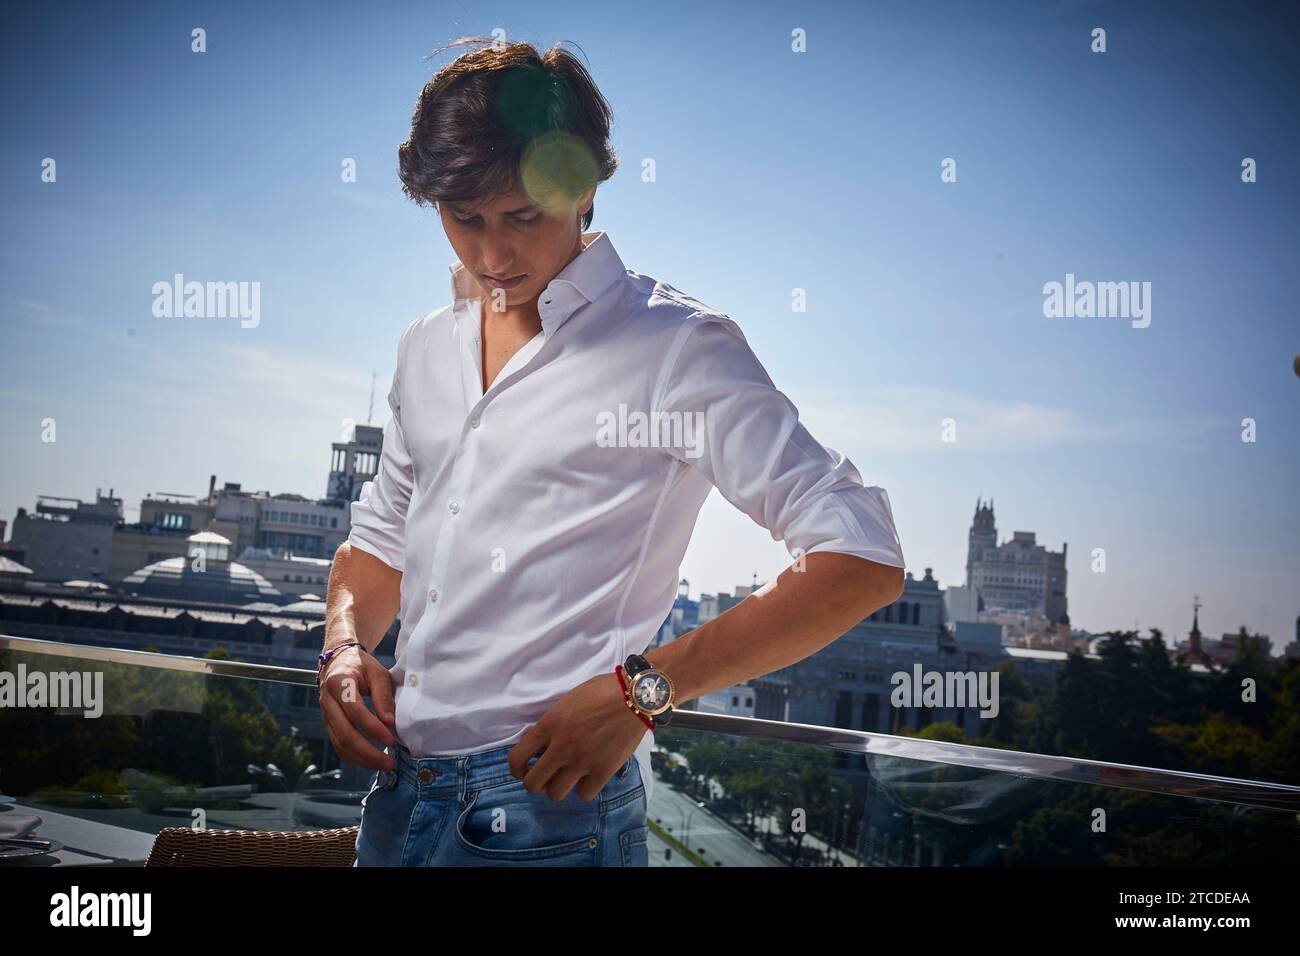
(221, 582)
(87, 585)
(13, 567)
(208, 537)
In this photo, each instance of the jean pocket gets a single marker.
(510, 823)
(634, 847)
(624, 788)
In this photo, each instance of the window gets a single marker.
(844, 710)
(870, 713)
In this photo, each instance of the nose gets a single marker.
(497, 256)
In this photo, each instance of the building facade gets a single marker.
(1018, 575)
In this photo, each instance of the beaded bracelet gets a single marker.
(324, 659)
(627, 699)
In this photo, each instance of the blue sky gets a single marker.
(775, 170)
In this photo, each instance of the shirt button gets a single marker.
(454, 507)
(413, 680)
(473, 422)
(433, 594)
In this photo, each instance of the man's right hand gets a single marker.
(350, 676)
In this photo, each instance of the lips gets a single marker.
(503, 284)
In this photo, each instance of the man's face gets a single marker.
(510, 237)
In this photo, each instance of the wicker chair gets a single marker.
(181, 846)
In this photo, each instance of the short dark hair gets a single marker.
(504, 117)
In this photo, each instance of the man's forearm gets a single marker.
(780, 624)
(363, 598)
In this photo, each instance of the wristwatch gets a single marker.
(650, 691)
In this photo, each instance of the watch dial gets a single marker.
(651, 692)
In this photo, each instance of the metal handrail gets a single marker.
(1254, 793)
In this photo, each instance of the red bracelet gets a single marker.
(627, 698)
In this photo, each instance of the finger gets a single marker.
(590, 786)
(362, 752)
(532, 741)
(538, 777)
(381, 690)
(348, 689)
(563, 782)
(329, 715)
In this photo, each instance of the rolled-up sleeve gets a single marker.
(379, 513)
(745, 436)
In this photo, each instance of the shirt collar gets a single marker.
(592, 271)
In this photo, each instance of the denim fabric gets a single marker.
(469, 810)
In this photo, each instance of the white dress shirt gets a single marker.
(539, 532)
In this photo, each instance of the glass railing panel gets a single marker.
(147, 748)
(743, 800)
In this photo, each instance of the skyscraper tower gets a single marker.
(353, 462)
(983, 534)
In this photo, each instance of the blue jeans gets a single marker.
(470, 810)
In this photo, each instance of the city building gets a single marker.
(290, 573)
(1017, 575)
(67, 538)
(353, 462)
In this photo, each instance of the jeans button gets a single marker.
(426, 776)
(592, 843)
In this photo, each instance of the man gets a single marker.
(554, 433)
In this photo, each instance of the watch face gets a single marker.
(651, 692)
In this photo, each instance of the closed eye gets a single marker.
(516, 219)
